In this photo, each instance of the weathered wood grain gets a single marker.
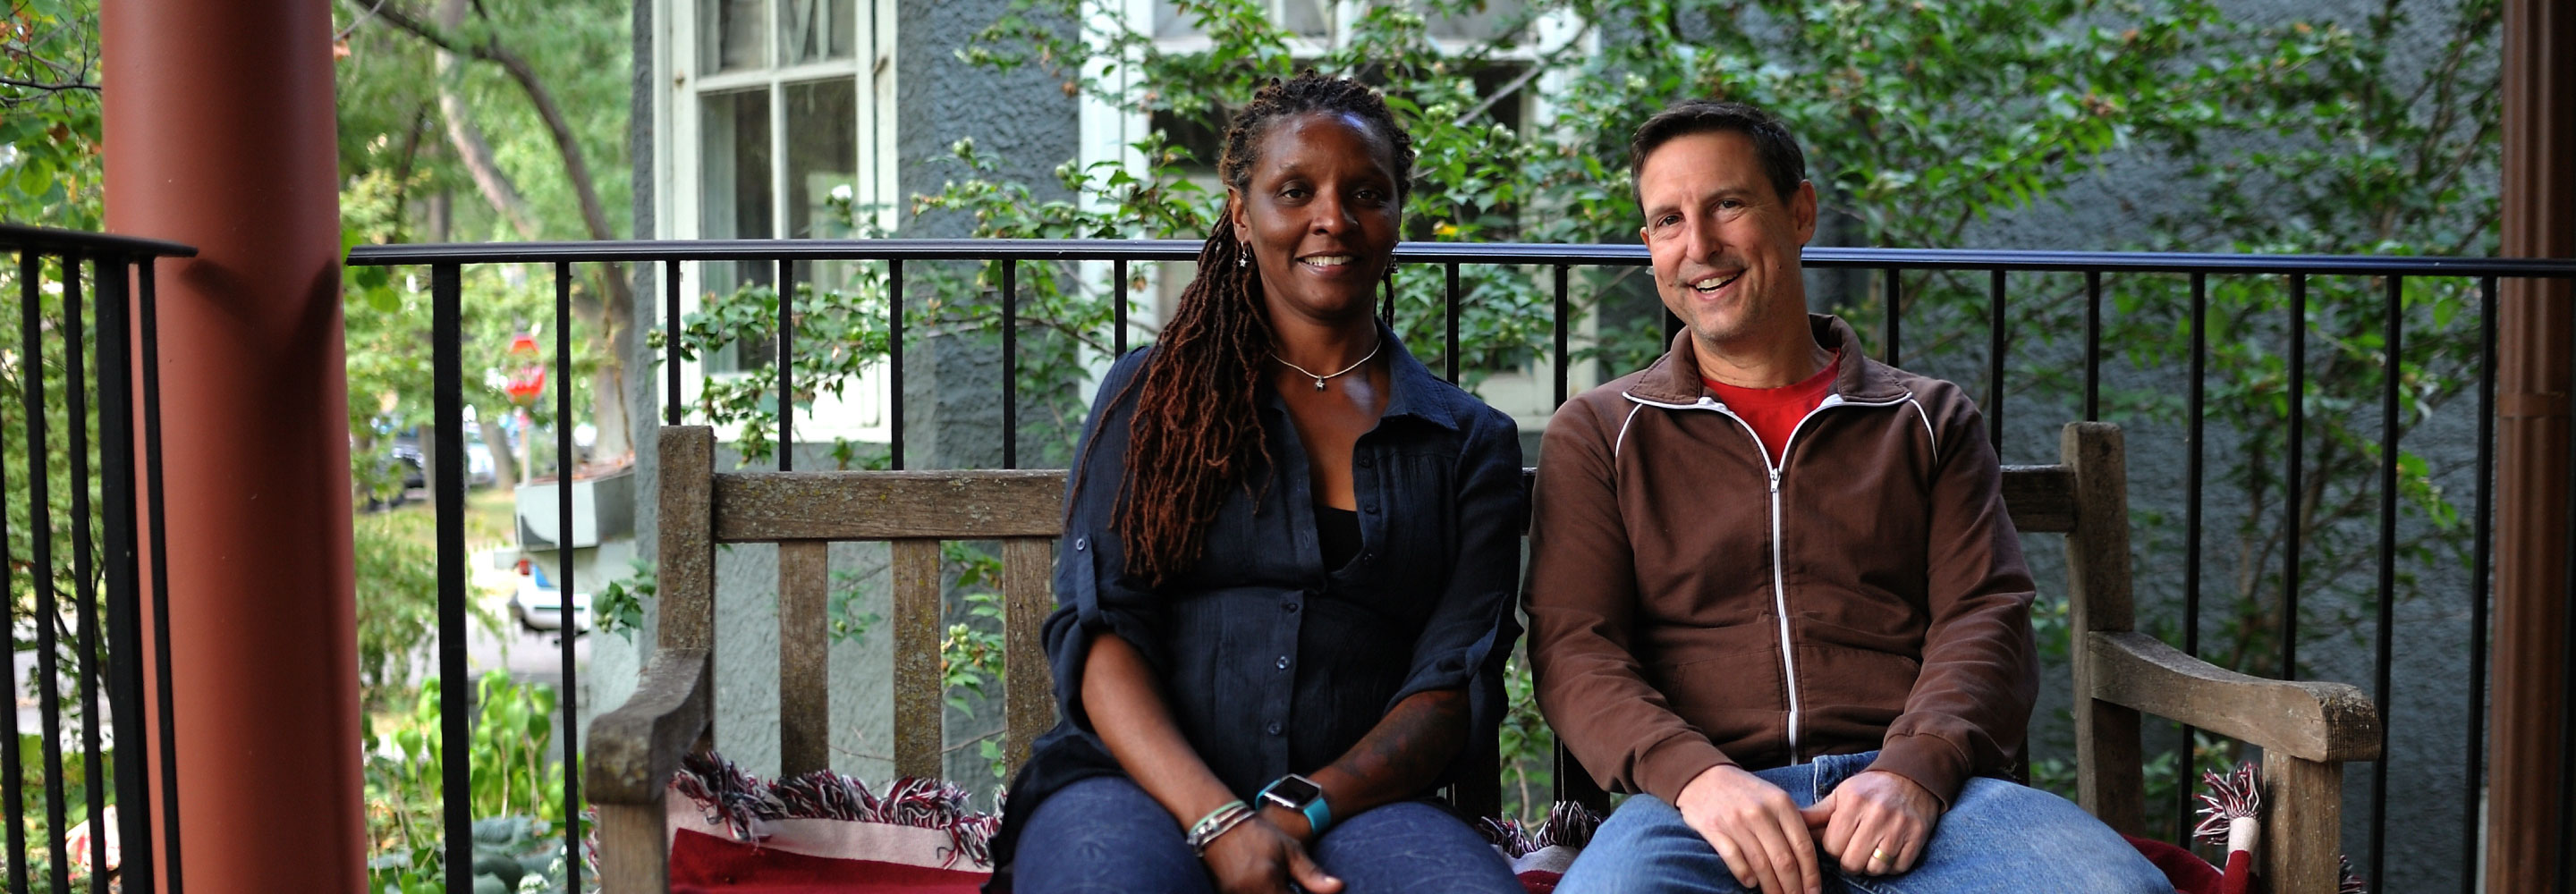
(634, 849)
(687, 587)
(634, 749)
(804, 657)
(2041, 499)
(1028, 693)
(2112, 783)
(2313, 720)
(962, 505)
(2302, 824)
(917, 705)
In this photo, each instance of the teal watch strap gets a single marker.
(1300, 794)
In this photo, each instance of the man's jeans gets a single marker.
(1999, 837)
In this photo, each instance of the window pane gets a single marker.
(732, 35)
(1479, 22)
(1169, 22)
(817, 29)
(1311, 18)
(734, 200)
(822, 171)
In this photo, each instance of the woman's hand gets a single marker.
(1257, 857)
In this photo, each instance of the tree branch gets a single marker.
(49, 88)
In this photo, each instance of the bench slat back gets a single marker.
(915, 511)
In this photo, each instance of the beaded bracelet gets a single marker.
(1218, 822)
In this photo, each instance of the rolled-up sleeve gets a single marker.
(1091, 595)
(1470, 632)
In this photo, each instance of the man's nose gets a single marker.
(1701, 238)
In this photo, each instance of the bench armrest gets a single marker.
(635, 749)
(2316, 721)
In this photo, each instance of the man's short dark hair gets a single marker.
(1783, 163)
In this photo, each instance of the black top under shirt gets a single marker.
(1337, 532)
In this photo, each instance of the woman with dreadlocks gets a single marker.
(1284, 590)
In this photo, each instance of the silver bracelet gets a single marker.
(1218, 822)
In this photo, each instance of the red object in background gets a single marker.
(528, 380)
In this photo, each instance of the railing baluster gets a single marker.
(85, 605)
(40, 573)
(786, 365)
(1562, 357)
(567, 631)
(2193, 471)
(1386, 306)
(1998, 332)
(155, 524)
(2567, 684)
(671, 341)
(2296, 482)
(2392, 373)
(1010, 364)
(2092, 346)
(1892, 295)
(447, 477)
(30, 270)
(1449, 319)
(1118, 307)
(2473, 780)
(894, 361)
(126, 667)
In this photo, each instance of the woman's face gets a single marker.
(1320, 214)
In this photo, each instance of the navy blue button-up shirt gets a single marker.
(1272, 663)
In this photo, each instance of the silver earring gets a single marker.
(1243, 258)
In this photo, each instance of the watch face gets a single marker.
(1292, 791)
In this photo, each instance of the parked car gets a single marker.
(538, 603)
(406, 450)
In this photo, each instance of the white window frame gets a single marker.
(860, 414)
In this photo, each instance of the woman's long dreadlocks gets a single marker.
(1197, 429)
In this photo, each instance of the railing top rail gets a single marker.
(1439, 252)
(21, 237)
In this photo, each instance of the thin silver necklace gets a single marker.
(1320, 377)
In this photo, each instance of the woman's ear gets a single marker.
(1236, 212)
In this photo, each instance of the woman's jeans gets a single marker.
(1998, 837)
(1106, 835)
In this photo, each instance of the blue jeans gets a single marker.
(1105, 835)
(1998, 837)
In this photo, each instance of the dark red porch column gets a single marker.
(2523, 834)
(220, 134)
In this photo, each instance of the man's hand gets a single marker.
(1755, 828)
(1257, 857)
(1877, 822)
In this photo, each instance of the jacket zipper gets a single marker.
(1779, 580)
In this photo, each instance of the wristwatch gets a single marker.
(1300, 794)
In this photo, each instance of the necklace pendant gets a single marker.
(1319, 384)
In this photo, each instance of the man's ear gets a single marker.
(1802, 210)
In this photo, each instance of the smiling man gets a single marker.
(1773, 592)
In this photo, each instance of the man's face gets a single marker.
(1724, 243)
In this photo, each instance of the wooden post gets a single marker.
(2523, 833)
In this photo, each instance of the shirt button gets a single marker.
(1368, 557)
(1283, 662)
(1289, 607)
(1366, 462)
(1273, 727)
(1370, 508)
(1079, 543)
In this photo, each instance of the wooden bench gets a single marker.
(2307, 730)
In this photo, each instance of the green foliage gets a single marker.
(75, 780)
(516, 792)
(619, 607)
(49, 114)
(397, 592)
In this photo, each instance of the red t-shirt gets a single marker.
(1774, 412)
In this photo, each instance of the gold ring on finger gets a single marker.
(1877, 855)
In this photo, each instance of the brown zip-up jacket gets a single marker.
(1690, 605)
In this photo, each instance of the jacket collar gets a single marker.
(1674, 378)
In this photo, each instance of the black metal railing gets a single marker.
(2002, 270)
(87, 366)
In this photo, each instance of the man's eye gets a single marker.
(1667, 220)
